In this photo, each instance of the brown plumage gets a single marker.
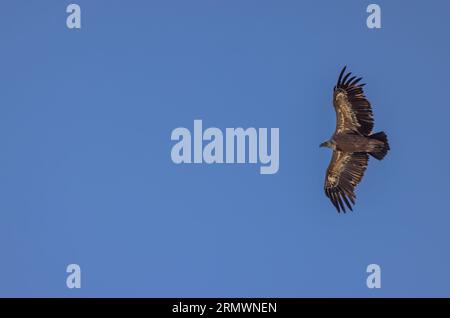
(352, 141)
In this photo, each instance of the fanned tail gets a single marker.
(382, 151)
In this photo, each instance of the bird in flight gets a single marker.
(352, 141)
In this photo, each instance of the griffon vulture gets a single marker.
(352, 141)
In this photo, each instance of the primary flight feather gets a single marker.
(352, 141)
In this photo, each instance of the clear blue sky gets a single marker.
(85, 169)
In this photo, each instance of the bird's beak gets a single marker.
(323, 144)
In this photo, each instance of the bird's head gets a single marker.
(327, 144)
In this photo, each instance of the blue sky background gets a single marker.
(85, 169)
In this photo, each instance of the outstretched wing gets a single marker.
(343, 175)
(353, 110)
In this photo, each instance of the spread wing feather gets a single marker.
(343, 175)
(353, 110)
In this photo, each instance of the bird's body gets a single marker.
(352, 142)
(349, 142)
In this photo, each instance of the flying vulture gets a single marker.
(352, 141)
